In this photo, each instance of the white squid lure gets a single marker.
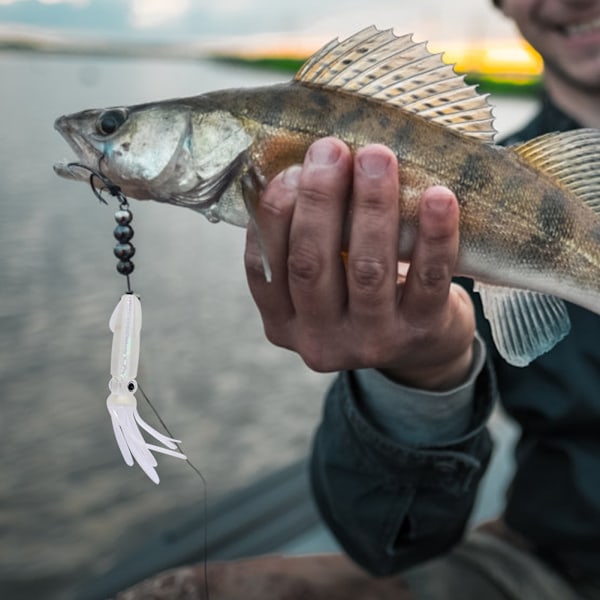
(126, 324)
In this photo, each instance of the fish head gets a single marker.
(131, 147)
(183, 152)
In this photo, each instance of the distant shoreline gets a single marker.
(117, 49)
(501, 83)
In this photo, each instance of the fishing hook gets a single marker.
(113, 188)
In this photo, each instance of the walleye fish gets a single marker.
(529, 214)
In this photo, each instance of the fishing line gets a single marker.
(204, 490)
(124, 251)
(113, 189)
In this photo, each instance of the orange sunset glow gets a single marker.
(502, 58)
(511, 58)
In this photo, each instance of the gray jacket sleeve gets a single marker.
(393, 503)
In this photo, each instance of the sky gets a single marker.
(185, 20)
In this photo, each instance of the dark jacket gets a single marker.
(392, 506)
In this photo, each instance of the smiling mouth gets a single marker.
(580, 28)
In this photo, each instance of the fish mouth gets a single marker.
(86, 153)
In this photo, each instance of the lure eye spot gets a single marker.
(132, 387)
(109, 121)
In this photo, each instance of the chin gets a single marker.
(583, 75)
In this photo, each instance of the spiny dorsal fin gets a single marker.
(571, 158)
(398, 71)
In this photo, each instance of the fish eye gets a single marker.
(109, 121)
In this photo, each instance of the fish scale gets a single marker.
(529, 222)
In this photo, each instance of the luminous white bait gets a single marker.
(126, 324)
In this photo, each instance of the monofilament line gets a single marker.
(204, 489)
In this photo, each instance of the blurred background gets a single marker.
(70, 509)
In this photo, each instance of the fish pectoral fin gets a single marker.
(524, 324)
(253, 184)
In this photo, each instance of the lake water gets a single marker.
(69, 507)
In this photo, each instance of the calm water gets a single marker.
(69, 507)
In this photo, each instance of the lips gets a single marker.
(80, 145)
(76, 141)
(84, 151)
(581, 28)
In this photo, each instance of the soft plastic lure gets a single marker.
(126, 324)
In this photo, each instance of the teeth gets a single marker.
(583, 27)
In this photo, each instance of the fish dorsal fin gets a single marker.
(400, 72)
(524, 324)
(571, 159)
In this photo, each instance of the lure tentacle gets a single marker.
(126, 323)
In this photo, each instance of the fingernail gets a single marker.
(374, 164)
(291, 176)
(324, 152)
(439, 201)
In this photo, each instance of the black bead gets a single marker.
(124, 251)
(125, 267)
(123, 217)
(123, 233)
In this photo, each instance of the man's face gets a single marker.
(566, 33)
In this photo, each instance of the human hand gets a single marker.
(417, 329)
(271, 577)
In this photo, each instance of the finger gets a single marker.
(270, 234)
(373, 252)
(434, 257)
(315, 267)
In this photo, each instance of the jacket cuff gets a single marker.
(416, 417)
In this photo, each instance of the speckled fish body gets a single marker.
(530, 228)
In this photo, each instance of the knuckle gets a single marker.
(439, 236)
(434, 278)
(276, 204)
(374, 204)
(369, 273)
(313, 196)
(304, 264)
